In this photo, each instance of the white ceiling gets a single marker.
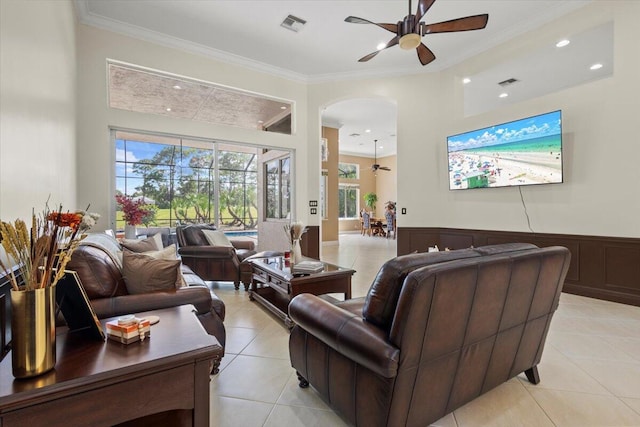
(326, 48)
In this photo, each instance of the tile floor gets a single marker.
(590, 369)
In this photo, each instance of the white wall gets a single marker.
(37, 107)
(95, 150)
(601, 150)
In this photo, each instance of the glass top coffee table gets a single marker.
(273, 284)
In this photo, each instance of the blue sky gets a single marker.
(523, 129)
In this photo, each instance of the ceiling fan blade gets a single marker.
(355, 20)
(423, 7)
(424, 54)
(476, 22)
(384, 168)
(392, 42)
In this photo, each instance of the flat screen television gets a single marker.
(523, 152)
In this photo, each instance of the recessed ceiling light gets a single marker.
(260, 121)
(168, 109)
(595, 67)
(504, 95)
(177, 87)
(381, 46)
(562, 43)
(284, 107)
(381, 147)
(367, 130)
(466, 80)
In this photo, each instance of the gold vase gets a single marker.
(33, 331)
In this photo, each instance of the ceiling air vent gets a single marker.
(508, 82)
(293, 23)
(354, 135)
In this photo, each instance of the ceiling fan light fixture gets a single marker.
(410, 41)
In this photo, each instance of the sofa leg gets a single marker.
(302, 382)
(532, 375)
(236, 285)
(215, 365)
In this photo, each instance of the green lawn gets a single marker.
(163, 215)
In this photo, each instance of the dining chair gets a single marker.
(391, 223)
(366, 223)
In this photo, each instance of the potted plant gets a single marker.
(370, 200)
(135, 211)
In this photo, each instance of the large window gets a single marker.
(188, 181)
(278, 183)
(348, 196)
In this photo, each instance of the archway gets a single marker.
(356, 132)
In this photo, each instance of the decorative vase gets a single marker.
(296, 252)
(33, 331)
(130, 231)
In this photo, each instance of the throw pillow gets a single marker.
(143, 273)
(153, 243)
(169, 253)
(217, 238)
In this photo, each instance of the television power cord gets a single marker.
(524, 205)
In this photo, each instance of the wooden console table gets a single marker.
(165, 377)
(274, 286)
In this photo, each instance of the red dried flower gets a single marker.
(68, 219)
(135, 211)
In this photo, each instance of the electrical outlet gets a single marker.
(314, 211)
(404, 211)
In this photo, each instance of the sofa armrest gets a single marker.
(244, 244)
(220, 252)
(198, 296)
(346, 333)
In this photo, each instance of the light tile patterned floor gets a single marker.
(590, 370)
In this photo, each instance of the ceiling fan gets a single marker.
(375, 166)
(410, 30)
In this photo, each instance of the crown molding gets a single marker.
(88, 18)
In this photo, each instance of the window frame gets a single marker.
(341, 188)
(207, 176)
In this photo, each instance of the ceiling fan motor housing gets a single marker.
(409, 39)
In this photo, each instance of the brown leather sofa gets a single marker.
(434, 332)
(216, 263)
(98, 264)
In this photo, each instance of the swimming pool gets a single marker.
(247, 233)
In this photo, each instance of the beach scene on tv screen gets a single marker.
(522, 152)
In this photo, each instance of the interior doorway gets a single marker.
(360, 138)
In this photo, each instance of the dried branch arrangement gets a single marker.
(41, 253)
(294, 231)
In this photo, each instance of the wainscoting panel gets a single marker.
(310, 243)
(601, 267)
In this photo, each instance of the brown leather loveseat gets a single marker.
(98, 263)
(435, 331)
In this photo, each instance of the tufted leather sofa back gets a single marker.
(381, 300)
(100, 274)
(191, 235)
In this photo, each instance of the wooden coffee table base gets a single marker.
(274, 302)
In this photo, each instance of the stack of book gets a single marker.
(128, 329)
(308, 267)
